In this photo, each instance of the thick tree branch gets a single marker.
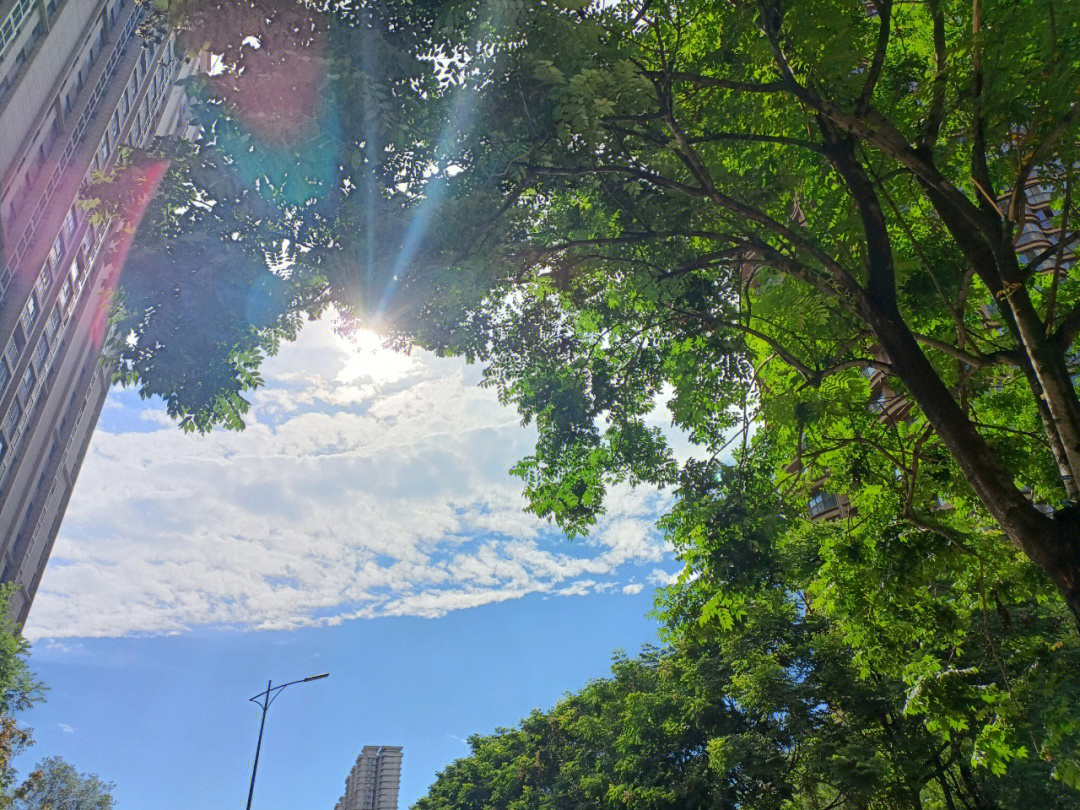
(1065, 335)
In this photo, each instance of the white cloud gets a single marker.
(633, 587)
(367, 483)
(661, 577)
(64, 727)
(580, 588)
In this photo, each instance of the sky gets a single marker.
(364, 524)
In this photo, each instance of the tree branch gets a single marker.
(884, 8)
(1038, 154)
(936, 112)
(975, 361)
(723, 84)
(753, 138)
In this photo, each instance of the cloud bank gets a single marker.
(367, 483)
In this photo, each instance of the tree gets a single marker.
(761, 702)
(909, 630)
(56, 785)
(747, 203)
(743, 208)
(19, 690)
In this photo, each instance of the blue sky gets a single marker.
(364, 524)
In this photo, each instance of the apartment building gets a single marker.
(77, 82)
(374, 780)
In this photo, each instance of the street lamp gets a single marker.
(263, 701)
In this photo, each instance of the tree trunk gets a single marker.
(1064, 562)
(1053, 544)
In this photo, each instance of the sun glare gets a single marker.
(369, 360)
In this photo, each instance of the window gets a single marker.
(75, 272)
(70, 221)
(57, 251)
(53, 324)
(41, 351)
(65, 295)
(822, 502)
(29, 313)
(11, 421)
(26, 387)
(5, 374)
(3, 449)
(41, 287)
(11, 352)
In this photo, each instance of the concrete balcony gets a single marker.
(827, 506)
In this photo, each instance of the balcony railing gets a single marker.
(822, 503)
(77, 133)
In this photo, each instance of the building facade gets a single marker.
(77, 82)
(374, 780)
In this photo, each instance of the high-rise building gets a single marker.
(77, 82)
(374, 780)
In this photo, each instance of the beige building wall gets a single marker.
(374, 780)
(76, 84)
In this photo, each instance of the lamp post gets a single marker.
(263, 701)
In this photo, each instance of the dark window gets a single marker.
(11, 421)
(28, 382)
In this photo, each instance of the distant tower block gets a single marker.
(374, 780)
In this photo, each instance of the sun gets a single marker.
(370, 361)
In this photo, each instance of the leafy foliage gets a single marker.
(56, 785)
(744, 204)
(766, 215)
(19, 690)
(761, 701)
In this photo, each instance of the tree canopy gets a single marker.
(763, 214)
(56, 785)
(749, 204)
(777, 708)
